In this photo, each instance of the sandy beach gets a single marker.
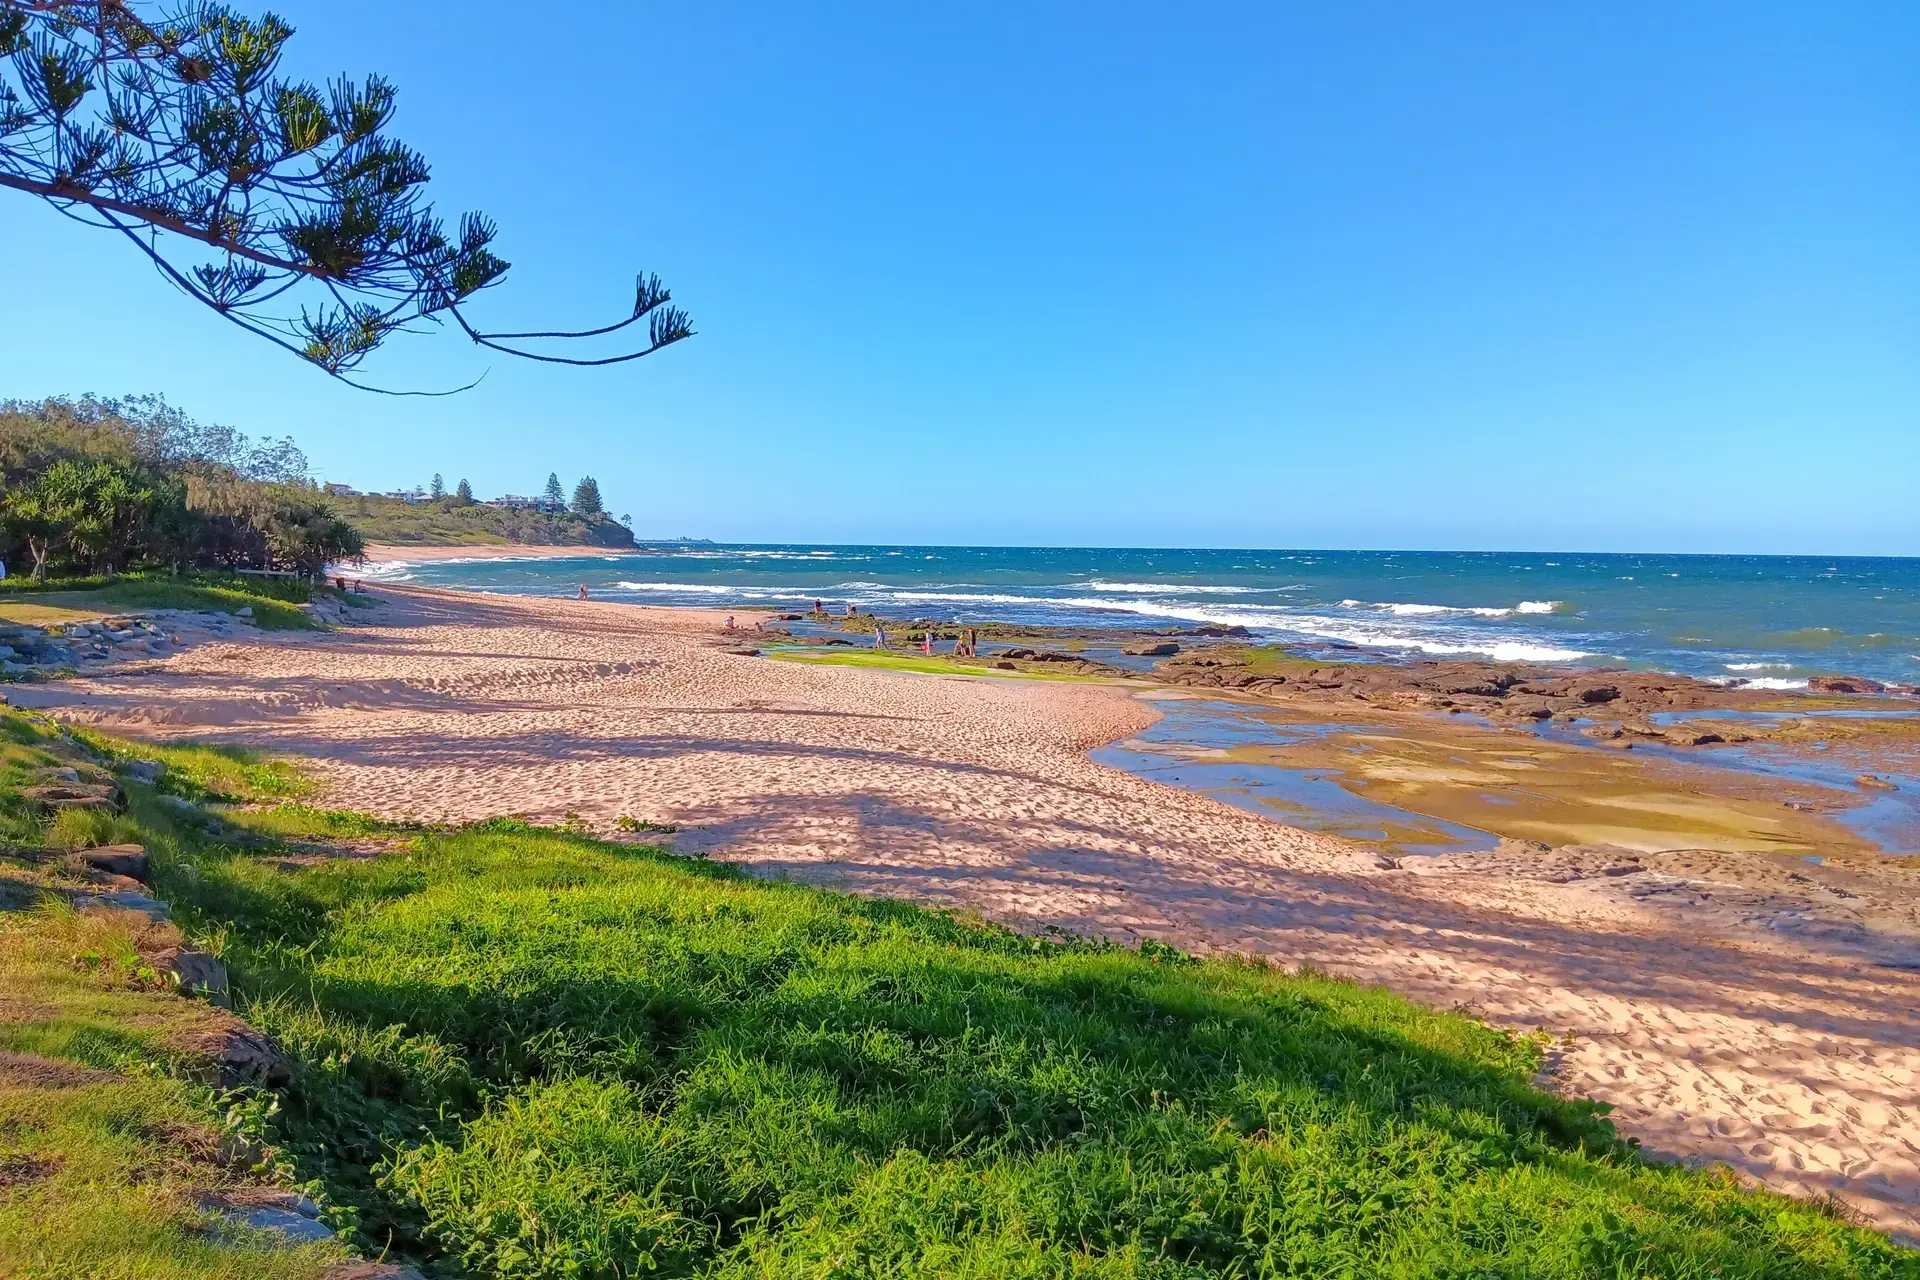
(1673, 994)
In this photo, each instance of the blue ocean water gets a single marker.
(1769, 621)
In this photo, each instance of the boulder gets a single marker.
(1597, 693)
(1163, 649)
(244, 611)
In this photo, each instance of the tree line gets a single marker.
(97, 486)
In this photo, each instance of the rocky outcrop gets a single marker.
(1163, 649)
(1844, 684)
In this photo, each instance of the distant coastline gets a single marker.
(381, 553)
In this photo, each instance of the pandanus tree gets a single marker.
(286, 208)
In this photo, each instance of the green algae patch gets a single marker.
(925, 665)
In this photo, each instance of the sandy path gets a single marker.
(1715, 1038)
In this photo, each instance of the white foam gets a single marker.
(1759, 666)
(1769, 682)
(674, 586)
(1536, 606)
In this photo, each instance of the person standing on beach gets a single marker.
(880, 636)
(583, 591)
(926, 642)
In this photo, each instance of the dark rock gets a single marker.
(1871, 783)
(1689, 736)
(115, 859)
(1018, 653)
(1006, 666)
(1164, 649)
(1597, 693)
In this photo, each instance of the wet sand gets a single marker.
(1729, 1006)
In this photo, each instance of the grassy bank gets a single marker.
(522, 1052)
(394, 522)
(275, 602)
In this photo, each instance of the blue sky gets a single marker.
(1367, 275)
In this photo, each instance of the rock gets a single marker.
(56, 773)
(244, 611)
(242, 1055)
(1164, 649)
(743, 653)
(145, 772)
(1844, 684)
(1018, 653)
(124, 900)
(1597, 693)
(11, 668)
(115, 859)
(355, 1269)
(197, 972)
(1688, 736)
(297, 1227)
(54, 797)
(1005, 666)
(1530, 710)
(1868, 782)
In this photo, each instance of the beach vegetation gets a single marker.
(288, 210)
(93, 486)
(517, 1051)
(395, 522)
(586, 499)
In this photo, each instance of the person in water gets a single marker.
(583, 591)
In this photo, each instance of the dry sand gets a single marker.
(1729, 1008)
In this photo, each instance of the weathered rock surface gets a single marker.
(1164, 649)
(128, 860)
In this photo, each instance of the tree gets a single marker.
(586, 499)
(554, 496)
(285, 209)
(438, 489)
(306, 536)
(464, 494)
(94, 509)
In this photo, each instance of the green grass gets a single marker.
(889, 661)
(527, 1053)
(60, 602)
(110, 1134)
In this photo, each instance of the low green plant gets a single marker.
(522, 1052)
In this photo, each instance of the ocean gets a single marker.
(1761, 621)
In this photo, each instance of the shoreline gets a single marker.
(382, 553)
(1788, 1056)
